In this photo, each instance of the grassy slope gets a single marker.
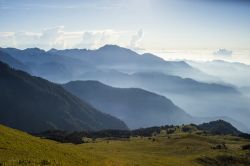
(17, 147)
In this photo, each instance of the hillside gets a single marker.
(19, 148)
(33, 104)
(177, 148)
(219, 127)
(136, 107)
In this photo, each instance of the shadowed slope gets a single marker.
(34, 104)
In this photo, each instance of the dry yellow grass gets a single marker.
(19, 148)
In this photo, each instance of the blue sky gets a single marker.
(137, 24)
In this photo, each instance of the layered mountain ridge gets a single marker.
(136, 107)
(33, 104)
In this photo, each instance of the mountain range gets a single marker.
(66, 65)
(188, 86)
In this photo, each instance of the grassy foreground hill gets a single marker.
(178, 148)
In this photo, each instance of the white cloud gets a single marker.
(223, 52)
(52, 37)
(136, 39)
(95, 39)
(57, 37)
(7, 39)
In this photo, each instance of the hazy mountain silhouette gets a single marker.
(136, 107)
(196, 98)
(52, 67)
(157, 81)
(75, 62)
(6, 58)
(231, 72)
(33, 104)
(113, 57)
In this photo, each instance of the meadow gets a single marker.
(178, 148)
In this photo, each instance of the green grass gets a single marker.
(19, 148)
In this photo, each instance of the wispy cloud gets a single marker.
(136, 39)
(95, 39)
(58, 4)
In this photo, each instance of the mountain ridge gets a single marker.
(41, 105)
(135, 106)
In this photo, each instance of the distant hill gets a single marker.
(136, 107)
(155, 146)
(33, 104)
(219, 127)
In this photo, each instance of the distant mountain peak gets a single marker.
(34, 49)
(109, 46)
(52, 50)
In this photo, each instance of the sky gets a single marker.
(158, 26)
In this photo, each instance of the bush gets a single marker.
(246, 147)
(219, 146)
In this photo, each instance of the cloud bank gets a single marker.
(58, 37)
